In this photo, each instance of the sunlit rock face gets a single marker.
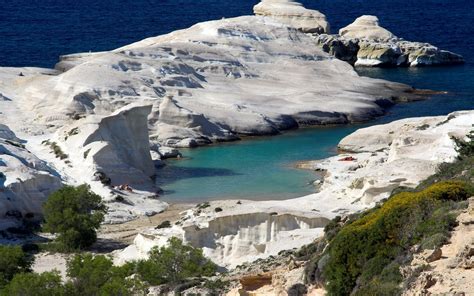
(112, 154)
(25, 181)
(116, 145)
(294, 15)
(366, 27)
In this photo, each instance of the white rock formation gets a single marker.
(116, 145)
(107, 152)
(401, 153)
(366, 43)
(25, 181)
(249, 75)
(294, 15)
(366, 27)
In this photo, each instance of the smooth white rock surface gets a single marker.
(118, 147)
(293, 14)
(366, 27)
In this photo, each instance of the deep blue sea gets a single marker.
(36, 32)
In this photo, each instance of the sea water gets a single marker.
(35, 33)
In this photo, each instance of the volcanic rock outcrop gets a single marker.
(366, 43)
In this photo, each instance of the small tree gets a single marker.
(12, 261)
(175, 263)
(75, 214)
(38, 284)
(96, 275)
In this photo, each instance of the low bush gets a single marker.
(465, 148)
(361, 251)
(96, 275)
(174, 264)
(164, 224)
(13, 261)
(88, 275)
(43, 284)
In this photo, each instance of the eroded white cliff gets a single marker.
(25, 181)
(112, 154)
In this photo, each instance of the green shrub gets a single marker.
(361, 250)
(96, 275)
(434, 241)
(43, 284)
(332, 228)
(174, 264)
(217, 287)
(57, 150)
(164, 224)
(13, 261)
(75, 214)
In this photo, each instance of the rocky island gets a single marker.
(108, 119)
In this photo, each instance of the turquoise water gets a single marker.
(258, 168)
(263, 168)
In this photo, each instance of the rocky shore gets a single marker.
(108, 119)
(382, 158)
(366, 43)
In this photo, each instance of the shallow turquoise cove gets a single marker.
(263, 168)
(257, 168)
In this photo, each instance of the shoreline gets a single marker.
(382, 161)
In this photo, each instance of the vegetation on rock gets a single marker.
(362, 254)
(366, 253)
(177, 265)
(96, 275)
(44, 284)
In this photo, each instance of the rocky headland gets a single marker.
(216, 81)
(108, 119)
(366, 43)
